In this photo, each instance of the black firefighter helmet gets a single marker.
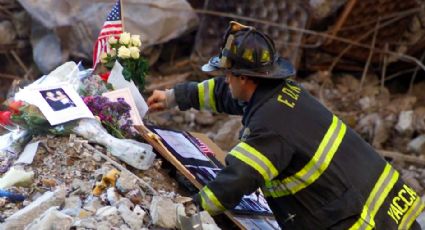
(246, 51)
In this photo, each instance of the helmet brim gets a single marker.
(213, 67)
(281, 69)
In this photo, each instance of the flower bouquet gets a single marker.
(114, 116)
(126, 50)
(23, 116)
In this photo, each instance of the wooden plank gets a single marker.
(156, 142)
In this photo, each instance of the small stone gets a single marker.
(87, 223)
(92, 204)
(126, 202)
(107, 211)
(417, 145)
(104, 225)
(97, 157)
(72, 206)
(139, 211)
(84, 214)
(130, 217)
(112, 195)
(163, 212)
(126, 182)
(135, 196)
(405, 122)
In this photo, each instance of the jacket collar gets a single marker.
(265, 90)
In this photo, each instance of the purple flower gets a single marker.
(115, 114)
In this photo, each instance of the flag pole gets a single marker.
(122, 15)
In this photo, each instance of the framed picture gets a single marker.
(125, 94)
(198, 158)
(59, 103)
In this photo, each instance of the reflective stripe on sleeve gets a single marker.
(252, 157)
(209, 202)
(206, 95)
(379, 192)
(411, 215)
(315, 167)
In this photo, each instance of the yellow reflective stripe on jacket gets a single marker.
(209, 201)
(315, 167)
(255, 159)
(206, 95)
(379, 192)
(411, 215)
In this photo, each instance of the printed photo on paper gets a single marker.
(60, 103)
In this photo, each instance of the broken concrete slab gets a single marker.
(51, 219)
(26, 215)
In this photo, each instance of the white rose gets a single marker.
(113, 52)
(135, 40)
(125, 38)
(103, 57)
(134, 52)
(123, 52)
(112, 40)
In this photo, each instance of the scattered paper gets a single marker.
(27, 156)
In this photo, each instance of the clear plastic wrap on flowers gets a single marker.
(11, 144)
(134, 153)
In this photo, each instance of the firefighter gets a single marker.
(314, 170)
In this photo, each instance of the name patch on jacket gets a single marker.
(401, 203)
(289, 95)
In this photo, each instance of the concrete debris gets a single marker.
(164, 212)
(126, 182)
(51, 219)
(405, 122)
(26, 215)
(72, 206)
(131, 218)
(417, 145)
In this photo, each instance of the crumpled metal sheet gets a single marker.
(284, 12)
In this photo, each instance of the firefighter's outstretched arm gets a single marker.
(212, 95)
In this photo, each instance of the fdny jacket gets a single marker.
(315, 172)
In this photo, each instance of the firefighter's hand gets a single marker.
(157, 101)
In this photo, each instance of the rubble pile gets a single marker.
(73, 186)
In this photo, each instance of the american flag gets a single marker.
(112, 26)
(204, 148)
